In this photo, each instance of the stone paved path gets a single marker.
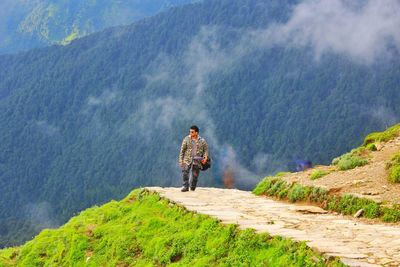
(356, 243)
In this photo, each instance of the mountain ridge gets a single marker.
(45, 22)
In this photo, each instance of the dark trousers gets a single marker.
(185, 175)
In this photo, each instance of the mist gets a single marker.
(40, 215)
(362, 31)
(204, 57)
(365, 31)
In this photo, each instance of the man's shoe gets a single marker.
(184, 189)
(192, 188)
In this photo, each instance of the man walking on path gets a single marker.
(194, 152)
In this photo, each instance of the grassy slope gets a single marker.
(145, 230)
(346, 204)
(384, 136)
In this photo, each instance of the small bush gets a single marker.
(276, 188)
(372, 210)
(296, 193)
(394, 168)
(318, 195)
(371, 147)
(394, 175)
(318, 174)
(391, 215)
(264, 185)
(349, 161)
(283, 194)
(396, 159)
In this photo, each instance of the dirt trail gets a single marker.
(369, 181)
(356, 243)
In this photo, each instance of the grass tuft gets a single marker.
(391, 215)
(318, 174)
(394, 168)
(394, 175)
(349, 161)
(281, 174)
(371, 147)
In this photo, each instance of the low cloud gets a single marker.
(47, 129)
(40, 215)
(92, 112)
(203, 58)
(383, 115)
(106, 98)
(263, 162)
(362, 30)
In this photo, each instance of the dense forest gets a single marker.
(37, 23)
(87, 122)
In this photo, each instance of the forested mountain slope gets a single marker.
(86, 122)
(38, 23)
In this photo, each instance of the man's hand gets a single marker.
(204, 160)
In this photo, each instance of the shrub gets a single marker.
(396, 159)
(318, 174)
(276, 187)
(296, 193)
(394, 175)
(391, 215)
(349, 161)
(318, 195)
(371, 147)
(263, 185)
(394, 169)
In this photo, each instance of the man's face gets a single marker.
(193, 133)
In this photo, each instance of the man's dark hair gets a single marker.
(194, 127)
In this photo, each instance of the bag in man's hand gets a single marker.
(206, 165)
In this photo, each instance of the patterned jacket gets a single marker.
(185, 154)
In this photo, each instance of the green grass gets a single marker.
(384, 136)
(146, 230)
(346, 204)
(350, 160)
(371, 147)
(394, 168)
(281, 174)
(318, 174)
(359, 156)
(391, 215)
(394, 175)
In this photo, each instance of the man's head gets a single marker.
(194, 131)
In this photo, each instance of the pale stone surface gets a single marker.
(309, 209)
(355, 242)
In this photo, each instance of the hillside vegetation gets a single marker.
(364, 179)
(84, 123)
(145, 230)
(38, 23)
